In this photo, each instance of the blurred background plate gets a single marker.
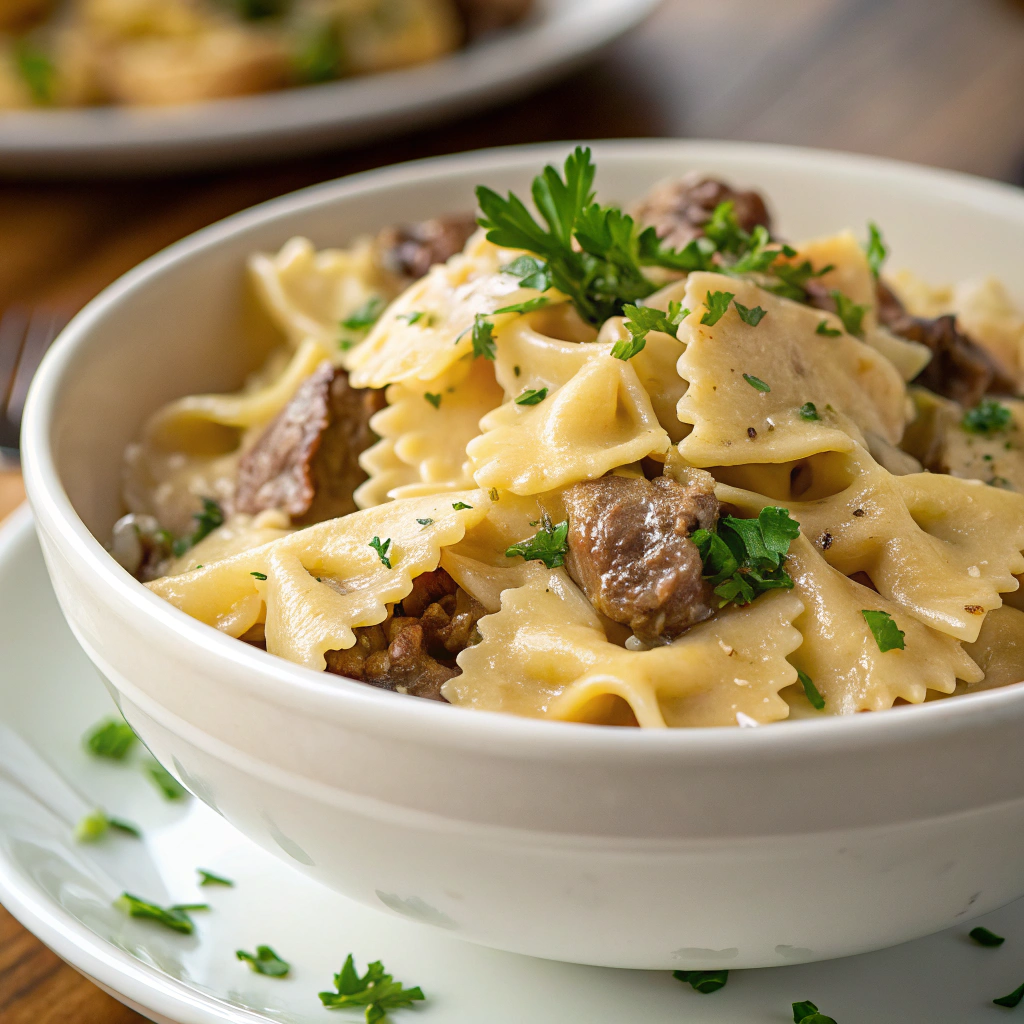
(559, 35)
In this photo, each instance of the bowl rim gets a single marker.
(369, 709)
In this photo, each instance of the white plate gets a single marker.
(62, 891)
(559, 36)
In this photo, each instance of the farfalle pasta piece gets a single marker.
(545, 655)
(429, 326)
(308, 293)
(841, 655)
(529, 359)
(241, 532)
(423, 439)
(941, 547)
(316, 585)
(853, 389)
(600, 419)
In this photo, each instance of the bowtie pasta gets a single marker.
(659, 469)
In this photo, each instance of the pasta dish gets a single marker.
(654, 466)
(81, 52)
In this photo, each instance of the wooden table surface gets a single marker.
(934, 81)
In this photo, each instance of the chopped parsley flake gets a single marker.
(209, 878)
(704, 982)
(983, 937)
(265, 961)
(259, 575)
(547, 545)
(365, 316)
(176, 917)
(526, 307)
(111, 738)
(36, 71)
(752, 316)
(887, 634)
(381, 547)
(376, 990)
(414, 316)
(810, 690)
(96, 824)
(532, 396)
(171, 788)
(207, 521)
(828, 332)
(745, 558)
(424, 522)
(716, 304)
(434, 400)
(483, 337)
(532, 272)
(876, 250)
(460, 505)
(792, 278)
(807, 1013)
(642, 319)
(988, 417)
(850, 313)
(756, 383)
(1012, 1000)
(809, 411)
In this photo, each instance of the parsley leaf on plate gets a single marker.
(983, 937)
(175, 917)
(887, 634)
(547, 545)
(810, 690)
(704, 982)
(532, 396)
(1012, 1000)
(209, 878)
(381, 547)
(807, 1013)
(97, 823)
(112, 738)
(265, 961)
(376, 990)
(988, 417)
(716, 304)
(745, 557)
(171, 788)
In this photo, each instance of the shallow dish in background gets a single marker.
(717, 847)
(559, 35)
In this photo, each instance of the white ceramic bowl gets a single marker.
(704, 848)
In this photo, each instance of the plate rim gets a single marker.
(348, 110)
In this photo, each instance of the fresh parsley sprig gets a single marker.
(382, 548)
(96, 824)
(850, 312)
(548, 545)
(175, 917)
(810, 690)
(594, 254)
(171, 788)
(876, 250)
(988, 417)
(112, 739)
(983, 937)
(745, 558)
(265, 961)
(805, 1012)
(887, 634)
(376, 990)
(641, 320)
(209, 878)
(207, 521)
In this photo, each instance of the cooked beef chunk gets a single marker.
(306, 460)
(415, 652)
(630, 552)
(482, 16)
(412, 249)
(678, 210)
(960, 368)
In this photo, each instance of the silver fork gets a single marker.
(25, 335)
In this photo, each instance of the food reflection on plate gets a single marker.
(156, 52)
(658, 469)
